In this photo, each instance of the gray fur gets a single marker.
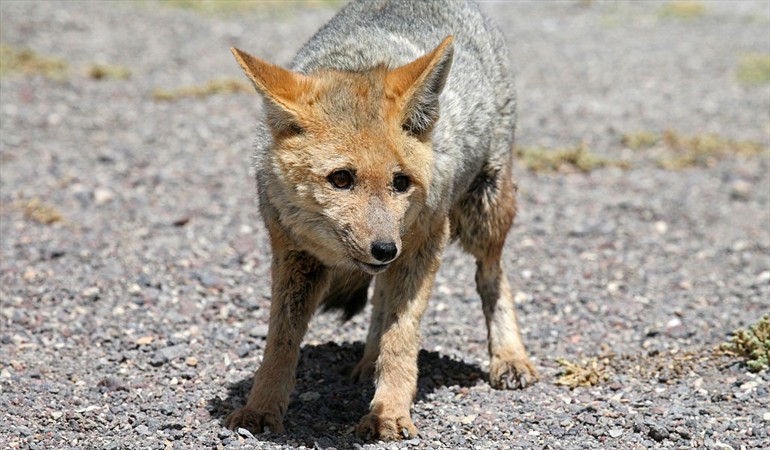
(477, 105)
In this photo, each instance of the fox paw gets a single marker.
(255, 421)
(386, 428)
(512, 374)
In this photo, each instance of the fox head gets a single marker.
(350, 160)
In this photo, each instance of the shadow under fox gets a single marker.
(380, 148)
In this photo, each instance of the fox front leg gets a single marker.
(299, 280)
(406, 289)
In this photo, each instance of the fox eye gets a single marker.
(341, 179)
(401, 183)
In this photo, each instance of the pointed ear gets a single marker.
(282, 90)
(417, 86)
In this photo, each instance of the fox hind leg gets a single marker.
(481, 221)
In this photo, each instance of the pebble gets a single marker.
(245, 433)
(259, 330)
(243, 350)
(144, 340)
(658, 433)
(91, 293)
(309, 396)
(103, 196)
(740, 190)
(167, 354)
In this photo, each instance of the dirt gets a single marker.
(134, 267)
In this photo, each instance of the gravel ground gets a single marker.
(137, 319)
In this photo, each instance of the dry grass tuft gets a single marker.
(683, 9)
(677, 152)
(585, 373)
(26, 61)
(108, 71)
(36, 210)
(575, 159)
(218, 86)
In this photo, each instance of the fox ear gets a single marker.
(417, 86)
(282, 90)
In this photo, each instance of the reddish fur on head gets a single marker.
(375, 125)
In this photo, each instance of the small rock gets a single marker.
(589, 419)
(243, 350)
(259, 331)
(191, 361)
(91, 293)
(763, 277)
(29, 274)
(740, 190)
(309, 396)
(616, 432)
(684, 433)
(224, 433)
(103, 196)
(134, 289)
(661, 227)
(144, 340)
(166, 354)
(722, 446)
(245, 433)
(658, 433)
(749, 385)
(467, 420)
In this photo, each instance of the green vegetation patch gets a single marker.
(683, 9)
(108, 71)
(583, 373)
(752, 345)
(754, 69)
(217, 86)
(679, 152)
(573, 159)
(26, 61)
(36, 210)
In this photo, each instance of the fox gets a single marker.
(389, 136)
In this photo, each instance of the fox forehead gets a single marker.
(353, 101)
(350, 122)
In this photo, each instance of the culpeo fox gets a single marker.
(374, 156)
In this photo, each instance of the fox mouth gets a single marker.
(372, 269)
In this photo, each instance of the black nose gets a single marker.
(384, 251)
